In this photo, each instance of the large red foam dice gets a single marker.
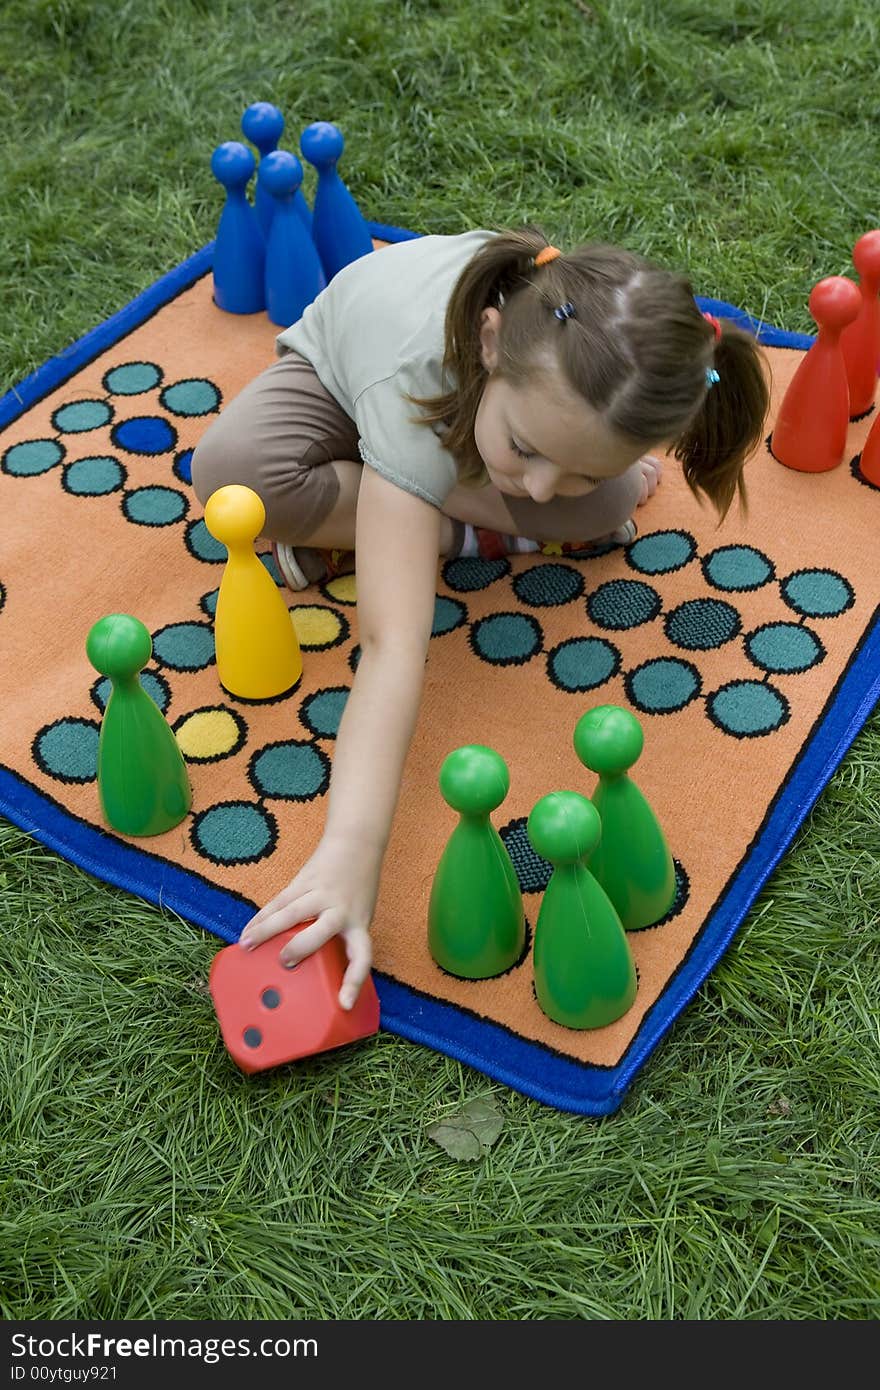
(269, 1015)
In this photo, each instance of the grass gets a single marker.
(141, 1175)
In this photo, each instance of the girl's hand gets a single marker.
(652, 471)
(337, 886)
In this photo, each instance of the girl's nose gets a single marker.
(540, 485)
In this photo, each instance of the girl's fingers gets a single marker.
(296, 909)
(325, 925)
(359, 959)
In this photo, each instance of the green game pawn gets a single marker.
(632, 860)
(476, 923)
(142, 779)
(585, 976)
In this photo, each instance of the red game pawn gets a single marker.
(860, 342)
(869, 462)
(269, 1014)
(811, 426)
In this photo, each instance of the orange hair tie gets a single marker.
(548, 254)
(715, 326)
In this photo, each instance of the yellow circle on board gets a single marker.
(343, 588)
(209, 733)
(316, 626)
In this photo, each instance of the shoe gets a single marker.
(303, 565)
(624, 535)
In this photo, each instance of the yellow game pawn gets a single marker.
(258, 653)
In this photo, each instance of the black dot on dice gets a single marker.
(253, 1037)
(270, 998)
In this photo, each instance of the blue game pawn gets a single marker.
(262, 124)
(239, 250)
(338, 227)
(294, 275)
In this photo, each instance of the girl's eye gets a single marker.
(520, 453)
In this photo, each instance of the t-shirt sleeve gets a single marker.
(396, 445)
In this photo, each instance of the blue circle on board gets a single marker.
(583, 663)
(784, 648)
(817, 593)
(663, 685)
(68, 749)
(94, 477)
(132, 378)
(155, 506)
(747, 709)
(144, 434)
(79, 416)
(195, 396)
(506, 639)
(532, 871)
(234, 832)
(182, 467)
(31, 457)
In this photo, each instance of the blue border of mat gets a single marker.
(527, 1067)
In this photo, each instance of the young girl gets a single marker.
(462, 394)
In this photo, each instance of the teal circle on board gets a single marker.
(132, 378)
(155, 687)
(506, 639)
(661, 552)
(663, 685)
(185, 646)
(32, 457)
(470, 572)
(81, 416)
(235, 832)
(532, 871)
(155, 506)
(737, 568)
(784, 648)
(582, 663)
(202, 544)
(68, 749)
(194, 396)
(747, 709)
(701, 624)
(548, 585)
(290, 771)
(449, 614)
(322, 711)
(622, 604)
(94, 477)
(208, 603)
(817, 593)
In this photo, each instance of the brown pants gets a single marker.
(280, 435)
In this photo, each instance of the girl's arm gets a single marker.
(397, 548)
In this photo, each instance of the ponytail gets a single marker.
(729, 424)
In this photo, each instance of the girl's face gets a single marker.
(540, 439)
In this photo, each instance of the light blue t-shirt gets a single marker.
(375, 335)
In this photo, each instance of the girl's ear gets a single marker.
(490, 328)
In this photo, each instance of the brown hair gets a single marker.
(637, 349)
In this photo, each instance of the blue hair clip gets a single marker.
(712, 378)
(565, 311)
